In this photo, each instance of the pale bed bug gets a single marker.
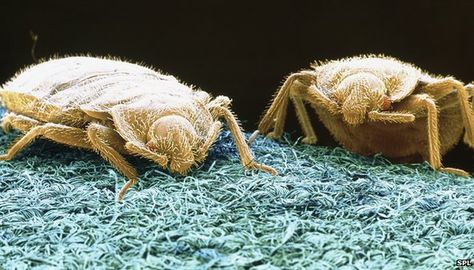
(376, 104)
(115, 108)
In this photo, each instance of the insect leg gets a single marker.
(470, 90)
(314, 96)
(211, 138)
(434, 156)
(276, 113)
(392, 117)
(142, 151)
(305, 123)
(219, 101)
(20, 122)
(59, 133)
(105, 141)
(446, 85)
(246, 157)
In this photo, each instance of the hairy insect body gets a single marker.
(359, 85)
(398, 141)
(116, 108)
(377, 104)
(362, 85)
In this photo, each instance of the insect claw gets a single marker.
(261, 167)
(273, 135)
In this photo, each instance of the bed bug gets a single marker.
(377, 104)
(118, 108)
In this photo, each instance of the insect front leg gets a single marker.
(219, 101)
(294, 88)
(314, 96)
(302, 115)
(391, 117)
(434, 157)
(442, 87)
(106, 142)
(275, 115)
(211, 138)
(301, 92)
(59, 133)
(139, 149)
(246, 157)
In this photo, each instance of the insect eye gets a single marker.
(387, 104)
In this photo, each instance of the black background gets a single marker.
(245, 49)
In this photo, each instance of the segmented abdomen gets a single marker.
(56, 90)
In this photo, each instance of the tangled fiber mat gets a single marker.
(327, 209)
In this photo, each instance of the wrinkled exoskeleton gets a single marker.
(117, 108)
(377, 104)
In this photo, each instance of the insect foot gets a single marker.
(309, 140)
(116, 108)
(257, 166)
(377, 104)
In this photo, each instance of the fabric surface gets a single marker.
(327, 209)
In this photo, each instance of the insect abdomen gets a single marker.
(56, 90)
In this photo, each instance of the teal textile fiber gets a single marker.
(327, 209)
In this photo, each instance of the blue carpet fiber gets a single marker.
(327, 209)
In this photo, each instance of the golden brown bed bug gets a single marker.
(377, 104)
(116, 108)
